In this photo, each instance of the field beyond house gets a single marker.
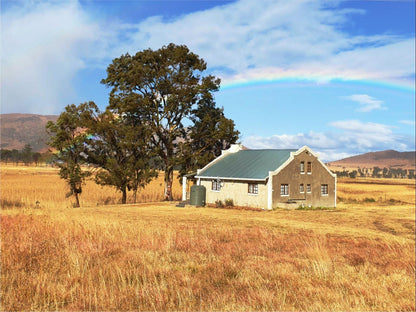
(155, 256)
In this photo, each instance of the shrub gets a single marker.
(229, 202)
(219, 204)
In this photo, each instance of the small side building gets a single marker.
(268, 178)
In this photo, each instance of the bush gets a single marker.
(219, 204)
(229, 203)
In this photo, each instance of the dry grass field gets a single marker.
(26, 185)
(155, 256)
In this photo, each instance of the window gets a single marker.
(302, 167)
(284, 189)
(308, 188)
(309, 167)
(216, 186)
(253, 188)
(324, 189)
(301, 188)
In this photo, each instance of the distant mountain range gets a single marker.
(388, 159)
(17, 130)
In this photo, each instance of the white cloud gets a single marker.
(367, 103)
(408, 122)
(280, 39)
(349, 137)
(43, 46)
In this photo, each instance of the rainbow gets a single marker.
(382, 84)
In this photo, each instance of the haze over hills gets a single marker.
(388, 159)
(17, 130)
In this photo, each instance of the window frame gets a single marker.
(215, 186)
(284, 189)
(308, 188)
(253, 188)
(301, 188)
(324, 189)
(302, 167)
(309, 167)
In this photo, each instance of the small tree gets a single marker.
(15, 156)
(68, 139)
(27, 154)
(6, 155)
(353, 174)
(36, 157)
(376, 172)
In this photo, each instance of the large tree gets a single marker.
(68, 139)
(161, 89)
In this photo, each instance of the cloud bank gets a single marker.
(347, 138)
(43, 46)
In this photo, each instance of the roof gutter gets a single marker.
(230, 178)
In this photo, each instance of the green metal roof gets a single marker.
(247, 164)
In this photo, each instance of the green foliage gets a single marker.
(68, 138)
(153, 94)
(120, 149)
(229, 202)
(376, 172)
(27, 154)
(211, 133)
(353, 174)
(17, 156)
(162, 89)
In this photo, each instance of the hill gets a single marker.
(388, 159)
(17, 130)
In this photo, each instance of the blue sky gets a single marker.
(338, 76)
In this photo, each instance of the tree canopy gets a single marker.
(119, 148)
(165, 91)
(161, 111)
(68, 139)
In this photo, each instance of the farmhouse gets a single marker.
(268, 178)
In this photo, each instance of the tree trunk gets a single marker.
(76, 200)
(168, 183)
(124, 198)
(134, 195)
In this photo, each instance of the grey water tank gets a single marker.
(198, 195)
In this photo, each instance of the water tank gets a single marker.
(198, 195)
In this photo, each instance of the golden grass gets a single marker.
(155, 256)
(24, 186)
(378, 190)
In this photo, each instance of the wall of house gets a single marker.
(291, 175)
(238, 192)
